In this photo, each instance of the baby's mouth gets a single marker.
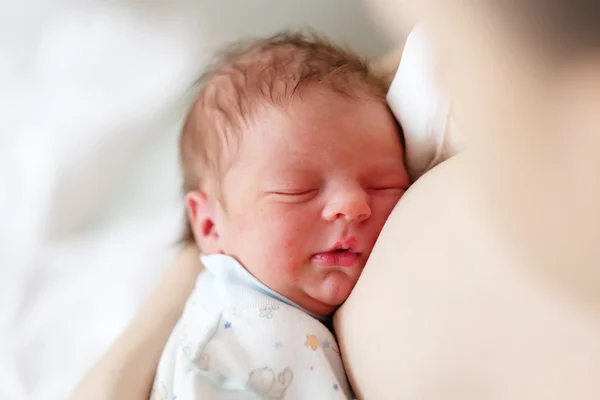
(337, 258)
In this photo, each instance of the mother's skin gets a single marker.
(445, 310)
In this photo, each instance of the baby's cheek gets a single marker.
(239, 223)
(387, 211)
(383, 207)
(289, 243)
(380, 216)
(246, 222)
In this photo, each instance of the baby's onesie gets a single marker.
(237, 339)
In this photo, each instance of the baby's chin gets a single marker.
(332, 291)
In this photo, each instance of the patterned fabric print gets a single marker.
(267, 311)
(233, 342)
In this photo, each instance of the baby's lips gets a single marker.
(349, 243)
(344, 258)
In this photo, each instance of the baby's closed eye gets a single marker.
(387, 188)
(294, 194)
(386, 182)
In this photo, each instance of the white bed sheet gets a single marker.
(91, 100)
(92, 94)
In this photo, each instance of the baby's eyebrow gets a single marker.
(387, 164)
(299, 166)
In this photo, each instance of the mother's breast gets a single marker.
(445, 309)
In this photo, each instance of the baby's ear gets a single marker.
(201, 214)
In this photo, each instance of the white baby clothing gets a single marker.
(237, 339)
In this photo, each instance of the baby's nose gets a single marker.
(351, 205)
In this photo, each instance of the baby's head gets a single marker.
(292, 163)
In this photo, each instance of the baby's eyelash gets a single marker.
(294, 192)
(294, 196)
(390, 187)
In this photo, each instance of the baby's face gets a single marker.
(310, 189)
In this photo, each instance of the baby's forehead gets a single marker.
(318, 121)
(251, 77)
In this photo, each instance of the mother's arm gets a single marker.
(126, 371)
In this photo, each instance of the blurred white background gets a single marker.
(92, 94)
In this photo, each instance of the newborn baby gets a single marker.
(292, 163)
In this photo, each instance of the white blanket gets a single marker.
(92, 94)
